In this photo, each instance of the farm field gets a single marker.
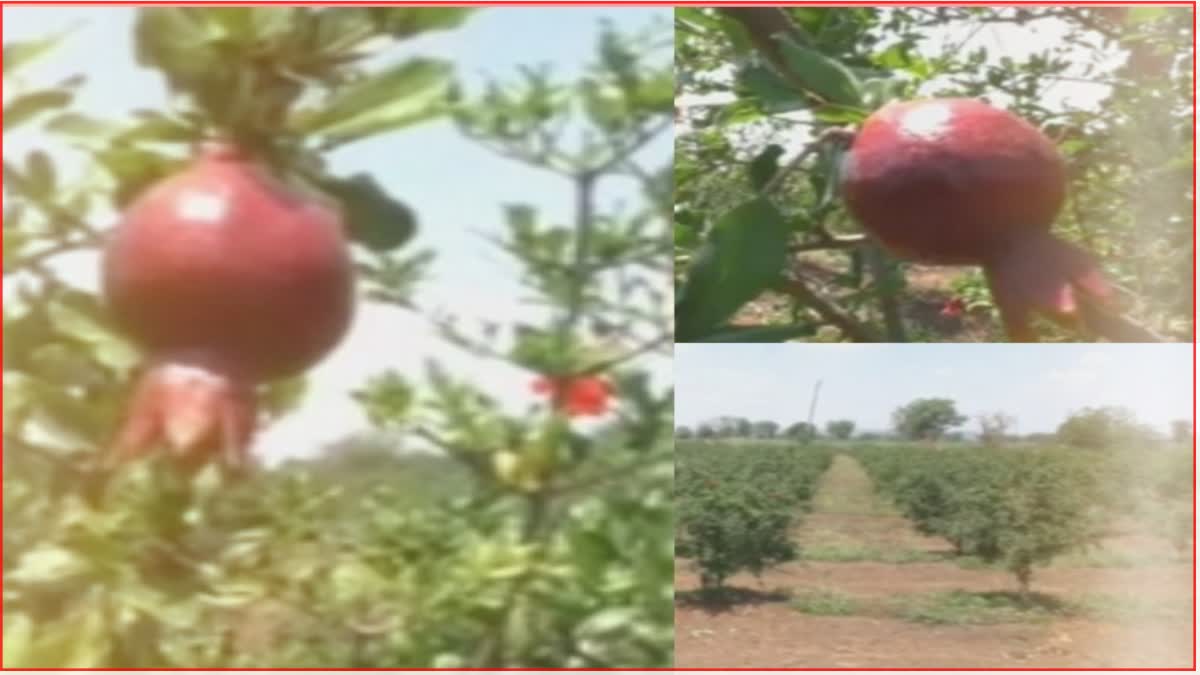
(868, 589)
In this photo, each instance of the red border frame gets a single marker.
(697, 3)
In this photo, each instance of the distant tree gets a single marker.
(707, 431)
(926, 419)
(1182, 431)
(1103, 427)
(684, 433)
(801, 431)
(994, 427)
(840, 429)
(765, 429)
(743, 428)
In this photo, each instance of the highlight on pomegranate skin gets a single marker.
(225, 271)
(958, 182)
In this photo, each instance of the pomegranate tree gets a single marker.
(227, 277)
(958, 182)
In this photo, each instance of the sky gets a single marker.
(1038, 384)
(457, 188)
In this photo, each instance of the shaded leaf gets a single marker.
(374, 218)
(824, 76)
(743, 255)
(40, 177)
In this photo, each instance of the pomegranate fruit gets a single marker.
(227, 277)
(958, 182)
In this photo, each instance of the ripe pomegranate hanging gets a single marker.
(227, 277)
(958, 182)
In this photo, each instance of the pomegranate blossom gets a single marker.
(957, 182)
(227, 277)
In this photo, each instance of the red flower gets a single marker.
(579, 396)
(953, 308)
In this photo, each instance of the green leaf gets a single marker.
(880, 90)
(1146, 14)
(657, 92)
(604, 104)
(837, 114)
(740, 112)
(403, 22)
(685, 237)
(47, 565)
(18, 628)
(15, 243)
(90, 644)
(608, 621)
(764, 167)
(154, 126)
(824, 76)
(24, 108)
(737, 34)
(109, 349)
(18, 54)
(40, 177)
(374, 218)
(744, 254)
(82, 126)
(772, 92)
(174, 40)
(400, 96)
(694, 19)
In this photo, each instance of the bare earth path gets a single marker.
(886, 560)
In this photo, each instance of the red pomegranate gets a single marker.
(227, 277)
(958, 182)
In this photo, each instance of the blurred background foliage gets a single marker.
(525, 540)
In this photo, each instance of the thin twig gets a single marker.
(644, 348)
(884, 277)
(621, 153)
(36, 259)
(823, 137)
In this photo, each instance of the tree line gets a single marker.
(938, 419)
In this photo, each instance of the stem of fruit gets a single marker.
(885, 278)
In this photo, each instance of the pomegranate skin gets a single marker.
(225, 260)
(958, 182)
(951, 181)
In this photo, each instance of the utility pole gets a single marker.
(812, 408)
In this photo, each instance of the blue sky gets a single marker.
(456, 187)
(1039, 384)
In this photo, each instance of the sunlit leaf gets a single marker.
(405, 94)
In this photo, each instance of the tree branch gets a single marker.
(828, 311)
